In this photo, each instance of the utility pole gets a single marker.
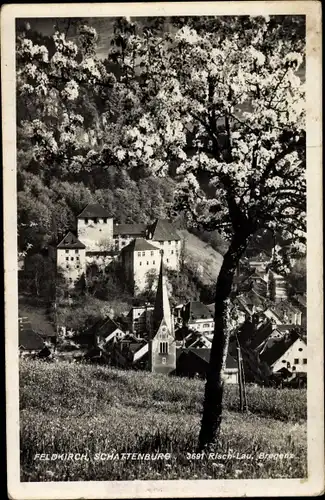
(241, 379)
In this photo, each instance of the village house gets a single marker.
(290, 353)
(139, 319)
(197, 316)
(30, 343)
(193, 362)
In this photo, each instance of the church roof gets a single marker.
(162, 309)
(93, 210)
(139, 244)
(70, 241)
(163, 230)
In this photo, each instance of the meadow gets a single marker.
(70, 408)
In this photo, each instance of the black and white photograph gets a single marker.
(161, 171)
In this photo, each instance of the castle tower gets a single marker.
(95, 228)
(162, 345)
(71, 258)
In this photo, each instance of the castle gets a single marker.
(99, 241)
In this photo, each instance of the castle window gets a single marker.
(67, 266)
(296, 361)
(153, 262)
(172, 251)
(67, 258)
(143, 254)
(140, 263)
(86, 221)
(76, 251)
(139, 254)
(95, 220)
(151, 253)
(105, 220)
(71, 258)
(167, 260)
(67, 251)
(78, 267)
(304, 361)
(147, 263)
(169, 242)
(77, 258)
(163, 348)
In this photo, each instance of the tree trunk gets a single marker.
(212, 406)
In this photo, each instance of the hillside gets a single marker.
(90, 409)
(209, 261)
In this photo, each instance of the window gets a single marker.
(163, 348)
(76, 251)
(78, 267)
(77, 258)
(123, 243)
(161, 242)
(300, 349)
(95, 220)
(169, 243)
(163, 360)
(304, 361)
(293, 368)
(67, 258)
(172, 251)
(105, 220)
(140, 263)
(206, 325)
(296, 361)
(67, 266)
(153, 262)
(147, 263)
(151, 253)
(143, 254)
(86, 221)
(139, 254)
(167, 260)
(71, 258)
(67, 251)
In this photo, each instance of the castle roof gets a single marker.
(70, 241)
(130, 229)
(139, 244)
(162, 307)
(93, 210)
(162, 230)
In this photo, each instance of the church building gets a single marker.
(162, 344)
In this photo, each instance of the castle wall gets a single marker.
(96, 233)
(145, 262)
(172, 249)
(72, 263)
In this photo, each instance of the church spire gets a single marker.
(162, 306)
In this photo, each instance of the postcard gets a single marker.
(163, 249)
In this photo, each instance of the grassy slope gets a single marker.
(204, 255)
(78, 408)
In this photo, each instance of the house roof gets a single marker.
(30, 340)
(70, 241)
(109, 326)
(131, 229)
(276, 351)
(93, 210)
(196, 310)
(204, 354)
(261, 335)
(139, 244)
(163, 230)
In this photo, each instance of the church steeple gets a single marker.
(162, 307)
